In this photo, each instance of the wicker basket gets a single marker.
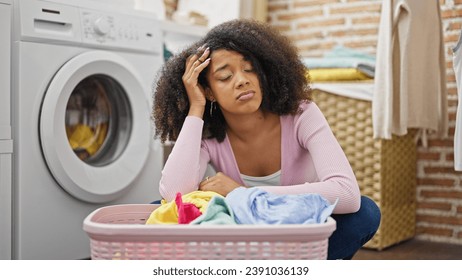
(385, 169)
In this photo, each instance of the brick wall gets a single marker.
(317, 25)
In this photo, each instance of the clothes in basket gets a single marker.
(247, 206)
(256, 206)
(168, 212)
(218, 213)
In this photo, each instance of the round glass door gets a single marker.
(98, 120)
(95, 128)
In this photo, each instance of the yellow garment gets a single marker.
(336, 74)
(83, 137)
(167, 213)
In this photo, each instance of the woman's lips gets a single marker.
(245, 95)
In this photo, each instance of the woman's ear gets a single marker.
(209, 94)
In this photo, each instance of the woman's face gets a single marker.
(233, 83)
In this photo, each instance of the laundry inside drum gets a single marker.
(98, 120)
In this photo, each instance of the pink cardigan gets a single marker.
(312, 161)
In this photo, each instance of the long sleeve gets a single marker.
(382, 104)
(187, 162)
(318, 150)
(457, 65)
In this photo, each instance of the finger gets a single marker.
(208, 187)
(192, 67)
(204, 185)
(201, 48)
(196, 60)
(200, 67)
(199, 57)
(189, 72)
(193, 74)
(190, 61)
(192, 58)
(207, 179)
(204, 55)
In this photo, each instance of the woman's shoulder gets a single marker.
(308, 119)
(308, 105)
(306, 108)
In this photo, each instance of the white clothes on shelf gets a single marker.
(457, 64)
(410, 77)
(356, 90)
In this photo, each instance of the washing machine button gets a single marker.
(102, 26)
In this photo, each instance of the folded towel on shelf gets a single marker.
(342, 57)
(364, 67)
(342, 51)
(256, 206)
(336, 74)
(362, 90)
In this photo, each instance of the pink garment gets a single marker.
(187, 212)
(312, 160)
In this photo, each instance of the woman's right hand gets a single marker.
(196, 93)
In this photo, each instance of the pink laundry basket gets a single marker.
(119, 232)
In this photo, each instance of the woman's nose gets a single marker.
(242, 80)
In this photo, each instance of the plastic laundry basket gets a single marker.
(119, 232)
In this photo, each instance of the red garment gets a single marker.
(187, 212)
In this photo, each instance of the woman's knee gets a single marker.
(362, 224)
(370, 212)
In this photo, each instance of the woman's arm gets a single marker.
(336, 177)
(187, 162)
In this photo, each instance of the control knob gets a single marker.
(101, 26)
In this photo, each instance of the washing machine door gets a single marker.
(95, 126)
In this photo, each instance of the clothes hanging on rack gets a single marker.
(410, 83)
(457, 65)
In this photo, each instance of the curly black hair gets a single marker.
(275, 59)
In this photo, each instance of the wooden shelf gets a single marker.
(183, 29)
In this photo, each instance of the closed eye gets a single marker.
(224, 78)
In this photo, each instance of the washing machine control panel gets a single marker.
(113, 30)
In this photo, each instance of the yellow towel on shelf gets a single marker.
(167, 213)
(336, 74)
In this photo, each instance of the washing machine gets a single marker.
(6, 143)
(82, 78)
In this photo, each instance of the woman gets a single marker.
(239, 100)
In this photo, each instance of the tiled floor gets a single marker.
(413, 250)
